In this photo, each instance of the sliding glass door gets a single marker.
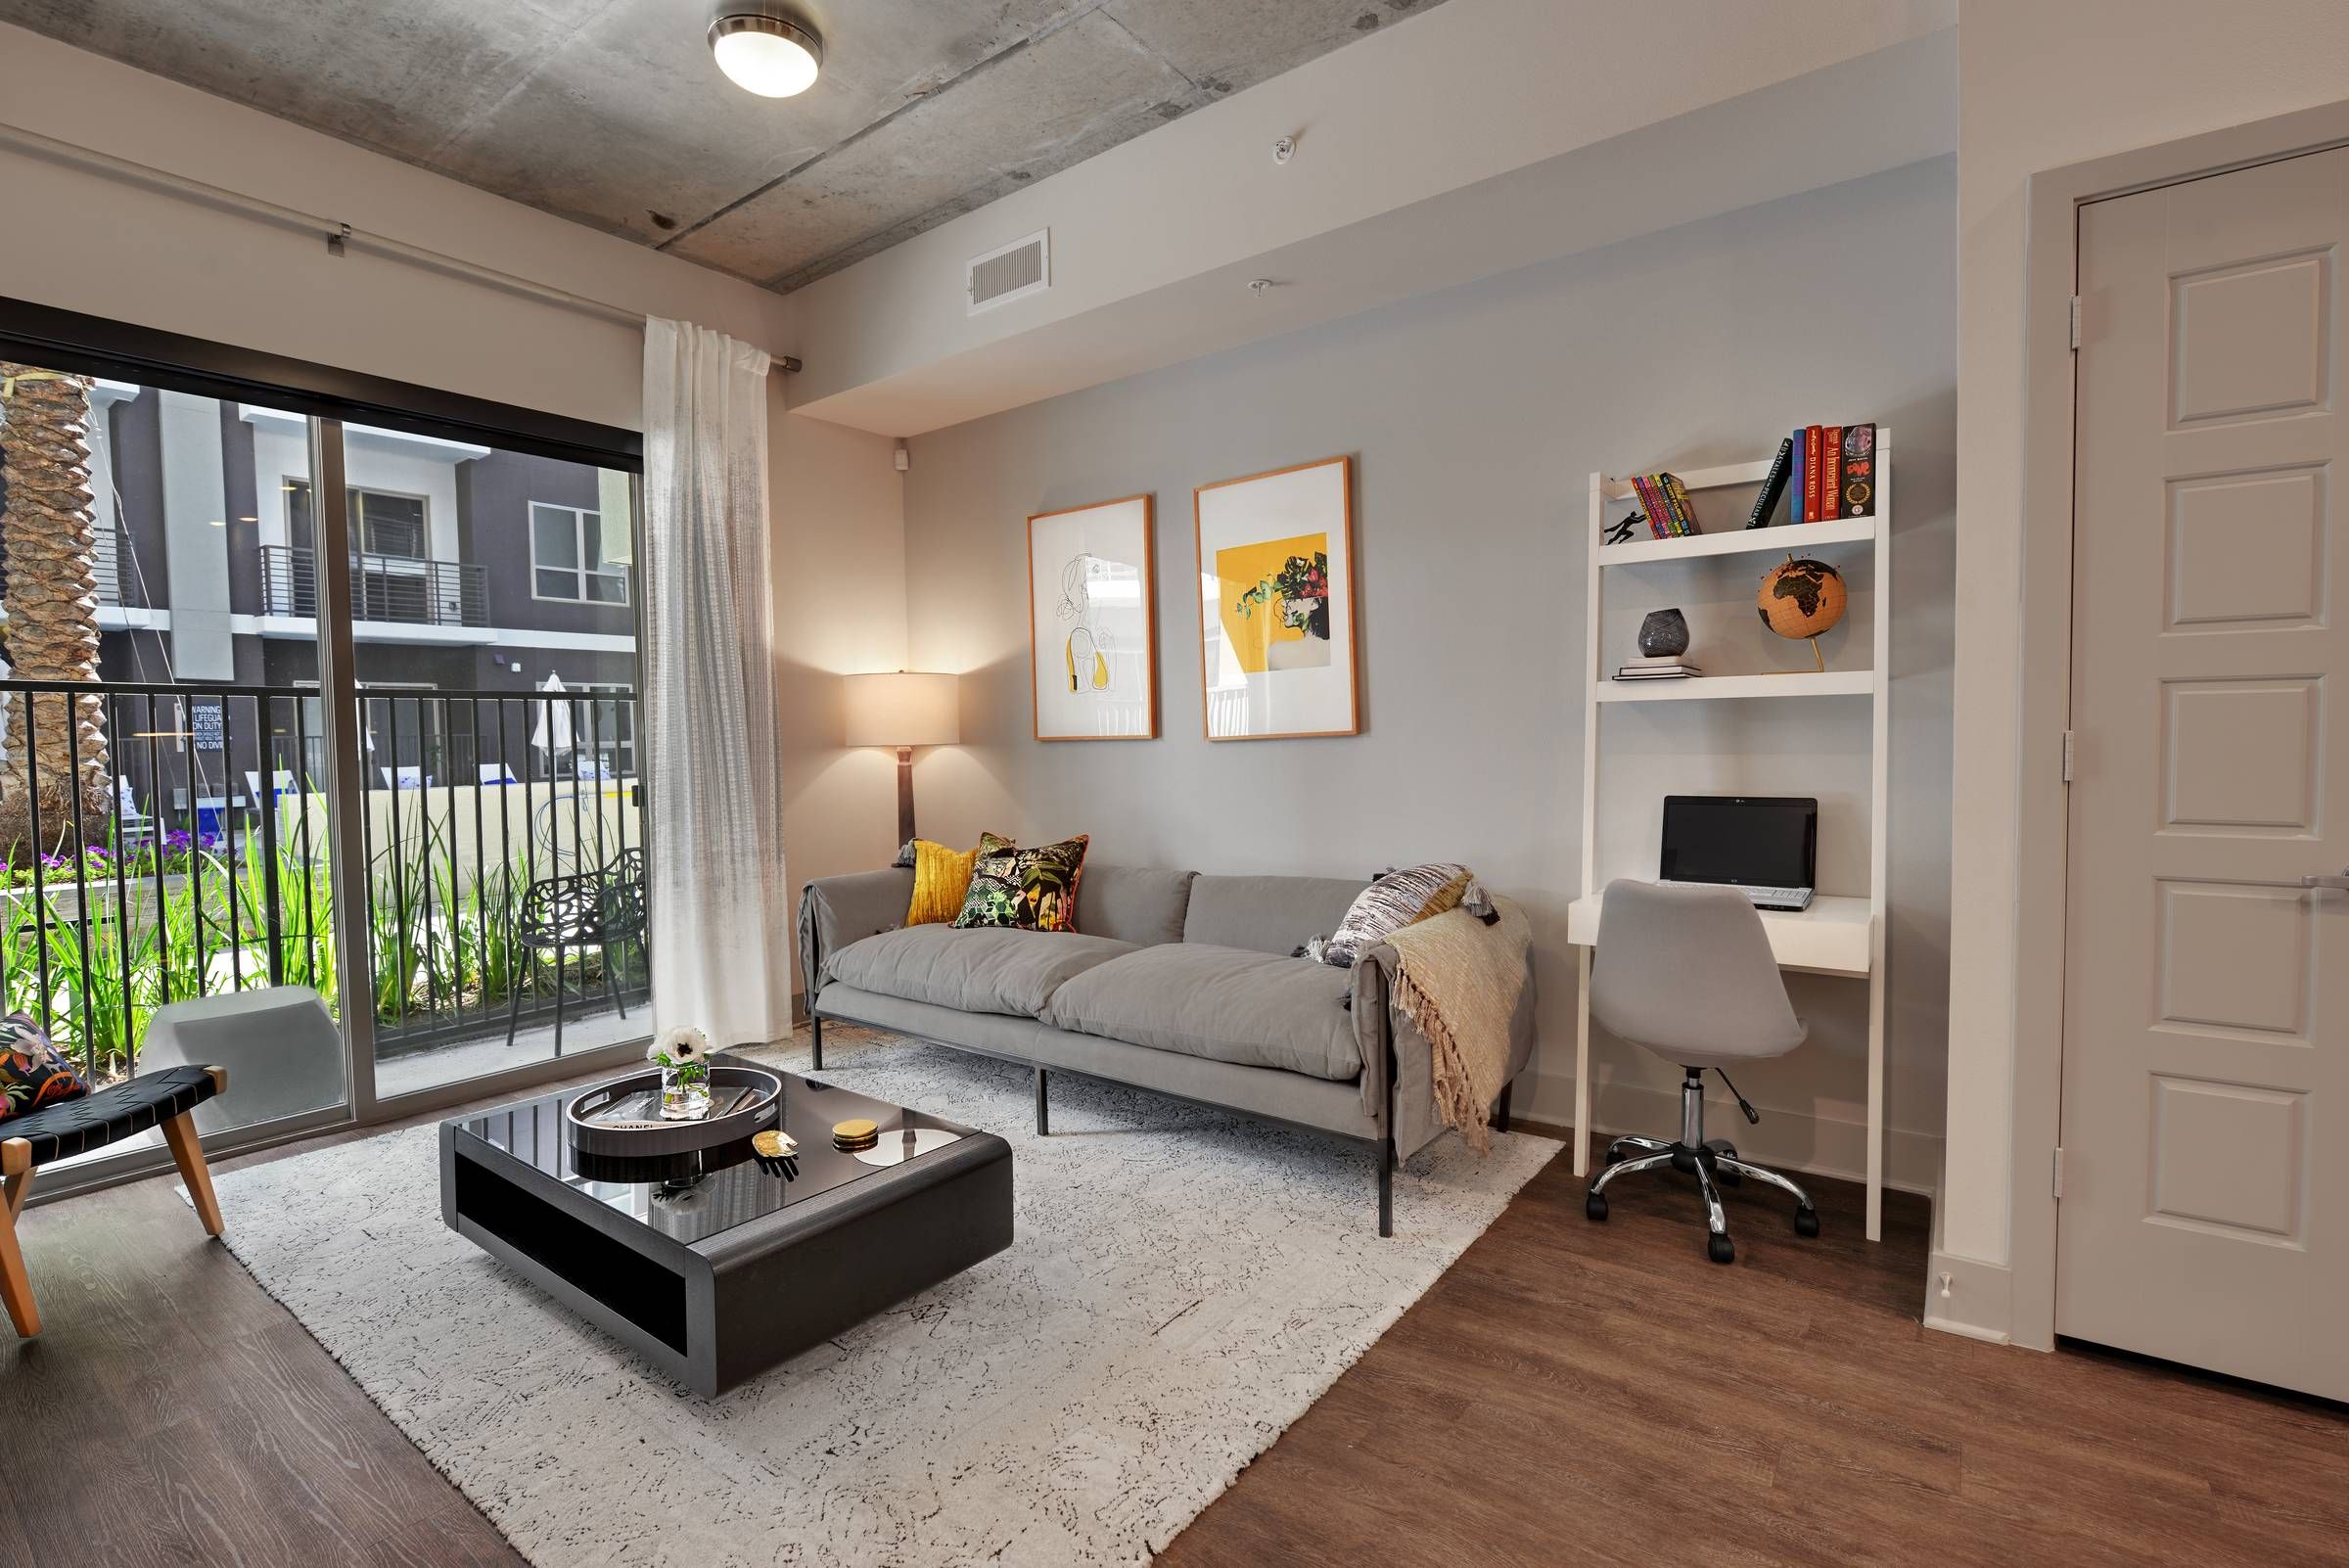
(162, 807)
(293, 700)
(502, 818)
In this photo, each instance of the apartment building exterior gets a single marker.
(475, 572)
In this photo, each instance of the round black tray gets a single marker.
(764, 1110)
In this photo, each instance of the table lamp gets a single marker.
(904, 710)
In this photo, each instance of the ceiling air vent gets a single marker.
(1011, 272)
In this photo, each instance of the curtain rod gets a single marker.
(339, 236)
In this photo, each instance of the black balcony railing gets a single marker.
(383, 588)
(195, 860)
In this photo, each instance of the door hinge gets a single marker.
(2075, 321)
(2067, 756)
(2058, 1183)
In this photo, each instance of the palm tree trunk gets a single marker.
(49, 526)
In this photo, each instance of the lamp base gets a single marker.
(905, 795)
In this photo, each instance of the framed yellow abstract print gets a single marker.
(1277, 652)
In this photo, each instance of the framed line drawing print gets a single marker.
(1092, 623)
(1277, 655)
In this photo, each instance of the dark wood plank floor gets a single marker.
(1567, 1394)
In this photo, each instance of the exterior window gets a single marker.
(382, 524)
(567, 556)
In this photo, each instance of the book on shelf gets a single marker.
(1657, 670)
(1830, 472)
(1772, 486)
(1683, 510)
(1858, 497)
(1659, 524)
(1794, 478)
(1826, 472)
(1811, 434)
(1665, 499)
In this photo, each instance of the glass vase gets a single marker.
(684, 1098)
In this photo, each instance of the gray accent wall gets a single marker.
(1475, 416)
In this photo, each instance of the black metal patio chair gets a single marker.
(602, 909)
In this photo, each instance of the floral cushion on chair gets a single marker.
(1025, 890)
(32, 1071)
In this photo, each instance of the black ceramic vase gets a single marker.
(1663, 634)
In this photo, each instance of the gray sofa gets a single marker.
(1173, 982)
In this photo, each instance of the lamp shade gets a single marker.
(902, 708)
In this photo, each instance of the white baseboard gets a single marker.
(1969, 1297)
(1790, 1140)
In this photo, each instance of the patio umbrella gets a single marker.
(552, 732)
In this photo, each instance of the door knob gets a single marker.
(2339, 884)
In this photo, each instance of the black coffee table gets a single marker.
(706, 1263)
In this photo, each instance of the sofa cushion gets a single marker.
(1253, 1010)
(986, 969)
(1136, 903)
(1268, 914)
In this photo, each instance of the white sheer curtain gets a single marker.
(720, 911)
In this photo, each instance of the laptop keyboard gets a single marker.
(1778, 897)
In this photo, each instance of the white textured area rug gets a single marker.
(1182, 1285)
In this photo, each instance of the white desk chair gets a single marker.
(1684, 970)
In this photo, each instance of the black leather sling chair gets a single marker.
(161, 1099)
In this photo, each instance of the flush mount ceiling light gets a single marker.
(763, 50)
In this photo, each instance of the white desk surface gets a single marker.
(1830, 938)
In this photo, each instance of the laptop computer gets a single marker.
(1764, 845)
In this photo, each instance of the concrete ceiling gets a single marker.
(612, 113)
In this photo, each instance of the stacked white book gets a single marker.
(1673, 668)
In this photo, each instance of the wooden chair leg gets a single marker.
(188, 1154)
(16, 1287)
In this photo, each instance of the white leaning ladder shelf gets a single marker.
(1843, 936)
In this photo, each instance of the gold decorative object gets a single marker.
(859, 1133)
(774, 1144)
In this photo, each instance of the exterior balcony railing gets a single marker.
(383, 588)
(195, 860)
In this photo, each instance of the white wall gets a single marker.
(145, 256)
(1476, 415)
(1438, 103)
(839, 565)
(2042, 86)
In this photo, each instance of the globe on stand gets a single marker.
(1802, 599)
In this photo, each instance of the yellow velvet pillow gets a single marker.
(942, 878)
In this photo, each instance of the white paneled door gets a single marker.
(2204, 1186)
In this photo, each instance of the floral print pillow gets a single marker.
(32, 1071)
(1024, 890)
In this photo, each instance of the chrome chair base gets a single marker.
(1714, 1162)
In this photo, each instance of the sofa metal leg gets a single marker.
(1500, 1114)
(815, 1027)
(1044, 1111)
(1386, 1186)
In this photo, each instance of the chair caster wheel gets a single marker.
(1724, 1149)
(1726, 1177)
(1720, 1249)
(1614, 1155)
(1805, 1221)
(1594, 1206)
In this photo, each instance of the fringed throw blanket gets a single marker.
(1457, 980)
